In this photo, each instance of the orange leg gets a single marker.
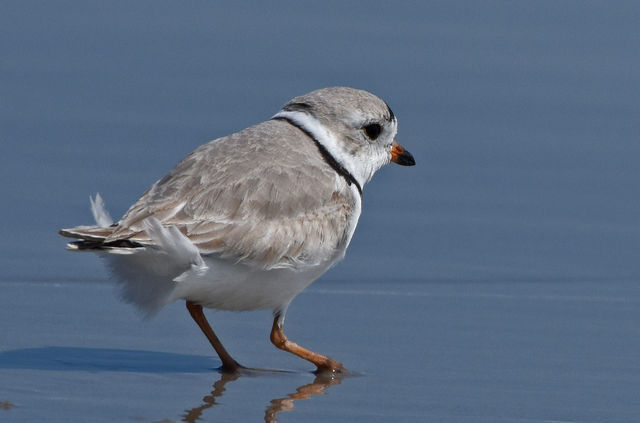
(228, 363)
(279, 339)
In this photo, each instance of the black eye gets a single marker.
(372, 130)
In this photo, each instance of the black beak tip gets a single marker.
(406, 159)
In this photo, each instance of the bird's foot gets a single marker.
(231, 367)
(331, 366)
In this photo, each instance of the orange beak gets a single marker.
(401, 156)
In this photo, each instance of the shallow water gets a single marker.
(461, 351)
(497, 280)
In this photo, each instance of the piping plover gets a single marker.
(249, 220)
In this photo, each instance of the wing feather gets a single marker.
(263, 195)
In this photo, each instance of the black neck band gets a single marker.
(331, 161)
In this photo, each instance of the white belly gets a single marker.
(228, 286)
(150, 280)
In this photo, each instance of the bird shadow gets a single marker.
(104, 360)
(117, 360)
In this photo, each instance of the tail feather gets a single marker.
(88, 233)
(100, 213)
(94, 233)
(148, 268)
(93, 238)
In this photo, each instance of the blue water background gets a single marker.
(497, 280)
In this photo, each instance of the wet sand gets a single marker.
(423, 350)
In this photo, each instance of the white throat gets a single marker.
(328, 141)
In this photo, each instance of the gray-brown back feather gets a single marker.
(264, 195)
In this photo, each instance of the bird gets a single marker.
(249, 220)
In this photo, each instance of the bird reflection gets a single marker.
(194, 414)
(304, 392)
(321, 382)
